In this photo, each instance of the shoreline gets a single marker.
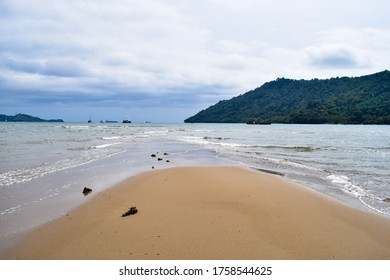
(206, 212)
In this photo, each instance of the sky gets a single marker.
(163, 61)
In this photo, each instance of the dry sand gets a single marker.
(210, 213)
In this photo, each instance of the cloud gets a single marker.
(139, 44)
(352, 49)
(60, 67)
(335, 57)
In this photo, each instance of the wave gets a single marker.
(10, 210)
(347, 185)
(206, 140)
(216, 138)
(102, 146)
(38, 142)
(294, 148)
(87, 148)
(24, 175)
(75, 126)
(285, 162)
(111, 138)
(352, 188)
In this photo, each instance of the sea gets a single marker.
(44, 167)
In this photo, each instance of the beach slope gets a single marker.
(209, 213)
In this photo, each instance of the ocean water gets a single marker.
(45, 166)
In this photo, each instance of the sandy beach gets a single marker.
(194, 213)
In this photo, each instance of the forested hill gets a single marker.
(359, 100)
(24, 118)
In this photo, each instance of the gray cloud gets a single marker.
(335, 57)
(60, 68)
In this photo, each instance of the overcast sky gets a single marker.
(163, 61)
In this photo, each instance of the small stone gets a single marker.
(87, 191)
(387, 199)
(153, 155)
(159, 159)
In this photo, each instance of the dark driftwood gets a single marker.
(132, 210)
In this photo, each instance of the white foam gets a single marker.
(347, 185)
(10, 210)
(205, 141)
(111, 138)
(102, 146)
(157, 132)
(23, 175)
(195, 140)
(290, 163)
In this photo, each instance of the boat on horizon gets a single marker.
(126, 121)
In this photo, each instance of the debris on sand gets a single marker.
(87, 191)
(132, 210)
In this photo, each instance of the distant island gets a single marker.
(24, 118)
(358, 100)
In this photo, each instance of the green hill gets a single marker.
(24, 118)
(359, 100)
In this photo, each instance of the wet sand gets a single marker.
(191, 213)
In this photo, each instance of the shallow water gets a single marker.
(350, 163)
